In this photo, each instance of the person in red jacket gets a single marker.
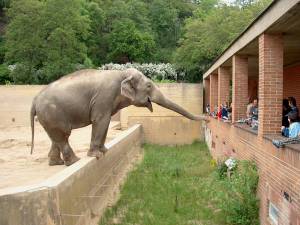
(219, 114)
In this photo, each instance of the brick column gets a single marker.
(224, 77)
(239, 87)
(213, 93)
(270, 91)
(206, 91)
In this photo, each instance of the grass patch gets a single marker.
(173, 185)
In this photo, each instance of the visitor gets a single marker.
(294, 128)
(293, 105)
(207, 109)
(219, 114)
(229, 110)
(225, 111)
(285, 110)
(252, 110)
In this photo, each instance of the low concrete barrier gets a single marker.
(78, 194)
(169, 130)
(163, 126)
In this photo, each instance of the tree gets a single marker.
(45, 39)
(24, 38)
(128, 44)
(209, 32)
(96, 36)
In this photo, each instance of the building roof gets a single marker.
(275, 12)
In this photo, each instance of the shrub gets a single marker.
(4, 74)
(222, 170)
(240, 204)
(157, 72)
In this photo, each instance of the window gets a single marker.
(273, 213)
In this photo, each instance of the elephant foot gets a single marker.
(53, 162)
(103, 150)
(94, 153)
(71, 160)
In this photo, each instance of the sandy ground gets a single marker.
(19, 168)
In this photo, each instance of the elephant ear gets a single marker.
(127, 88)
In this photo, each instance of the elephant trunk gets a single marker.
(158, 98)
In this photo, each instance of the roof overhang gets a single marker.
(276, 10)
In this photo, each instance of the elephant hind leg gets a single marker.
(54, 155)
(68, 154)
(60, 143)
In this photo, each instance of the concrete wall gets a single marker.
(16, 101)
(78, 194)
(279, 169)
(164, 126)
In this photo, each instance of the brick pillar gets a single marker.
(213, 93)
(206, 91)
(270, 91)
(239, 87)
(224, 77)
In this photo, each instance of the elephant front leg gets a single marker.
(99, 132)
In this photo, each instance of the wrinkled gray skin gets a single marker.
(92, 97)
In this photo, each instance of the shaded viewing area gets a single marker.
(262, 63)
(266, 68)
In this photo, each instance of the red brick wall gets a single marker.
(239, 87)
(213, 93)
(206, 92)
(224, 77)
(279, 169)
(291, 83)
(252, 88)
(270, 84)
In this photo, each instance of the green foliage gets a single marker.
(167, 188)
(222, 170)
(95, 38)
(128, 44)
(4, 74)
(50, 38)
(2, 50)
(180, 185)
(211, 29)
(4, 4)
(45, 39)
(239, 203)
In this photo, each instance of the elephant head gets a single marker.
(142, 92)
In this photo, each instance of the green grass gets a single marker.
(172, 186)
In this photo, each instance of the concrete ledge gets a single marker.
(78, 194)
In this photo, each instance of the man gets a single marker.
(252, 110)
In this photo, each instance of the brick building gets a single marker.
(263, 62)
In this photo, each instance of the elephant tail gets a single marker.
(32, 114)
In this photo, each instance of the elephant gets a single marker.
(92, 96)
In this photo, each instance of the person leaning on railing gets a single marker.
(294, 129)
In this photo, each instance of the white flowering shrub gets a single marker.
(161, 71)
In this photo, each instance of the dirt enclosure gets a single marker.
(17, 166)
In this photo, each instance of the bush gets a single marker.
(240, 204)
(222, 170)
(157, 72)
(4, 74)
